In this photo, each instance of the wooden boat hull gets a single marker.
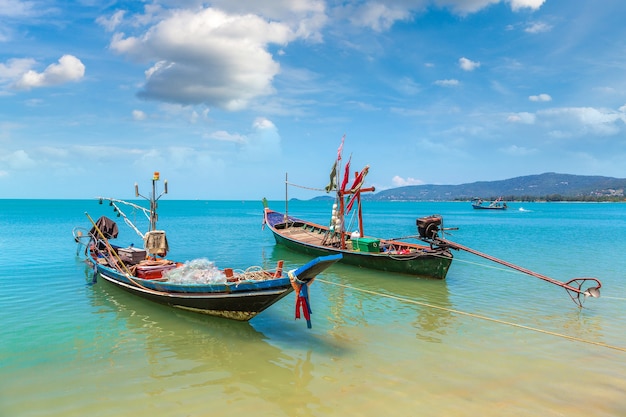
(420, 260)
(239, 301)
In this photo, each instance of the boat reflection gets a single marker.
(354, 296)
(202, 352)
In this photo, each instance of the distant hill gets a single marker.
(531, 187)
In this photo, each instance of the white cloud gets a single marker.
(111, 23)
(18, 160)
(538, 27)
(305, 17)
(526, 4)
(540, 97)
(264, 142)
(381, 15)
(376, 15)
(577, 121)
(208, 56)
(261, 143)
(401, 182)
(222, 135)
(17, 8)
(464, 7)
(523, 117)
(517, 150)
(262, 123)
(68, 69)
(139, 115)
(447, 83)
(467, 64)
(14, 68)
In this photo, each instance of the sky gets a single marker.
(227, 99)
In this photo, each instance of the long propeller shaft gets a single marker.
(594, 292)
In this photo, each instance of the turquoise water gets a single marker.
(486, 341)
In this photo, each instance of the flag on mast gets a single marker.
(346, 175)
(332, 185)
(340, 150)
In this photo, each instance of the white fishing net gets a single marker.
(196, 271)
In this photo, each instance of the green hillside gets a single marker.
(549, 186)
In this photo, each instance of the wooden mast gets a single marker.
(341, 194)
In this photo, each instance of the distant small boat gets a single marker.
(196, 286)
(480, 204)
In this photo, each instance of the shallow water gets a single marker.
(486, 341)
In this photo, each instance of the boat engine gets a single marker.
(428, 227)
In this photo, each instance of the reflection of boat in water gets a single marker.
(200, 356)
(497, 204)
(352, 297)
(197, 285)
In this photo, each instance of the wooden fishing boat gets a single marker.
(357, 248)
(197, 285)
(497, 204)
(431, 259)
(366, 252)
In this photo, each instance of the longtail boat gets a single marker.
(431, 259)
(197, 285)
(356, 247)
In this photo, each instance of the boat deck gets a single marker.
(307, 234)
(314, 235)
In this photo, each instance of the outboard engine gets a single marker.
(428, 227)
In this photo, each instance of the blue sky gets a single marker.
(226, 97)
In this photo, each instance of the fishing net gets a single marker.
(196, 271)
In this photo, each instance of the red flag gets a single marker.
(346, 176)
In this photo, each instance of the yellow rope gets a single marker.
(253, 273)
(521, 326)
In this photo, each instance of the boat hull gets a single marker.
(420, 261)
(238, 301)
(479, 207)
(240, 305)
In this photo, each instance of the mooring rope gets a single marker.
(306, 188)
(477, 316)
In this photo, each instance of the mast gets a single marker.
(341, 215)
(153, 199)
(356, 193)
(286, 197)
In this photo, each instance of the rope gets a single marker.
(252, 273)
(477, 316)
(306, 188)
